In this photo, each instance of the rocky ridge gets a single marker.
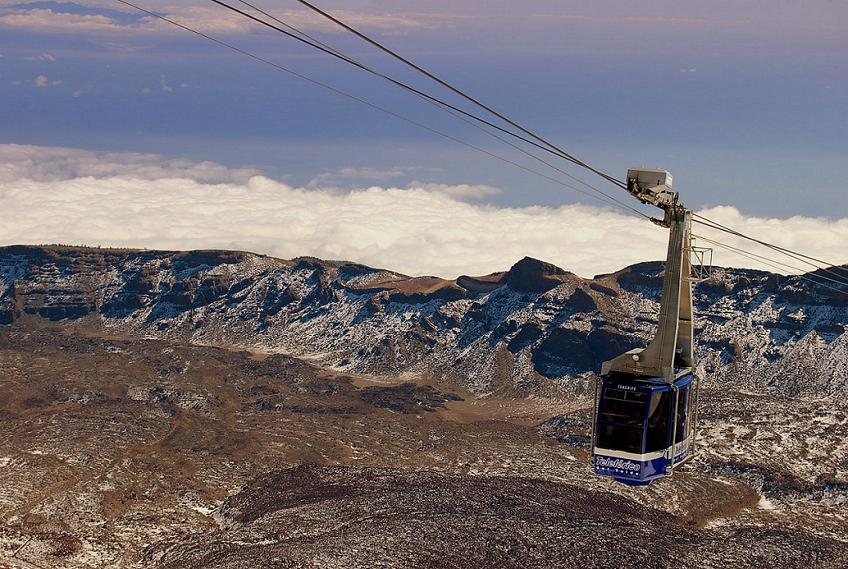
(534, 327)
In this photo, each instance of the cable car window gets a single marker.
(682, 416)
(625, 407)
(626, 439)
(623, 395)
(658, 422)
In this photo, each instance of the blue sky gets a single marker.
(744, 101)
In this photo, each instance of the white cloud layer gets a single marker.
(208, 19)
(49, 164)
(58, 195)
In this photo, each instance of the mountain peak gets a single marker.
(533, 275)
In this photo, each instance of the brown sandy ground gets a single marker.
(129, 452)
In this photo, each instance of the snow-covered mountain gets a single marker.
(533, 328)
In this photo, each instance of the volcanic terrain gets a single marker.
(220, 409)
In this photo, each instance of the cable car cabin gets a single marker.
(636, 421)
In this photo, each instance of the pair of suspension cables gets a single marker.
(492, 123)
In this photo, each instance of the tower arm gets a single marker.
(672, 348)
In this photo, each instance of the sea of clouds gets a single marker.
(71, 196)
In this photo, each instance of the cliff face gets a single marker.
(533, 327)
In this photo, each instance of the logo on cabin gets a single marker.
(617, 464)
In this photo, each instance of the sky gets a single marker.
(743, 101)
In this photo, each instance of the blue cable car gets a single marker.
(646, 401)
(644, 427)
